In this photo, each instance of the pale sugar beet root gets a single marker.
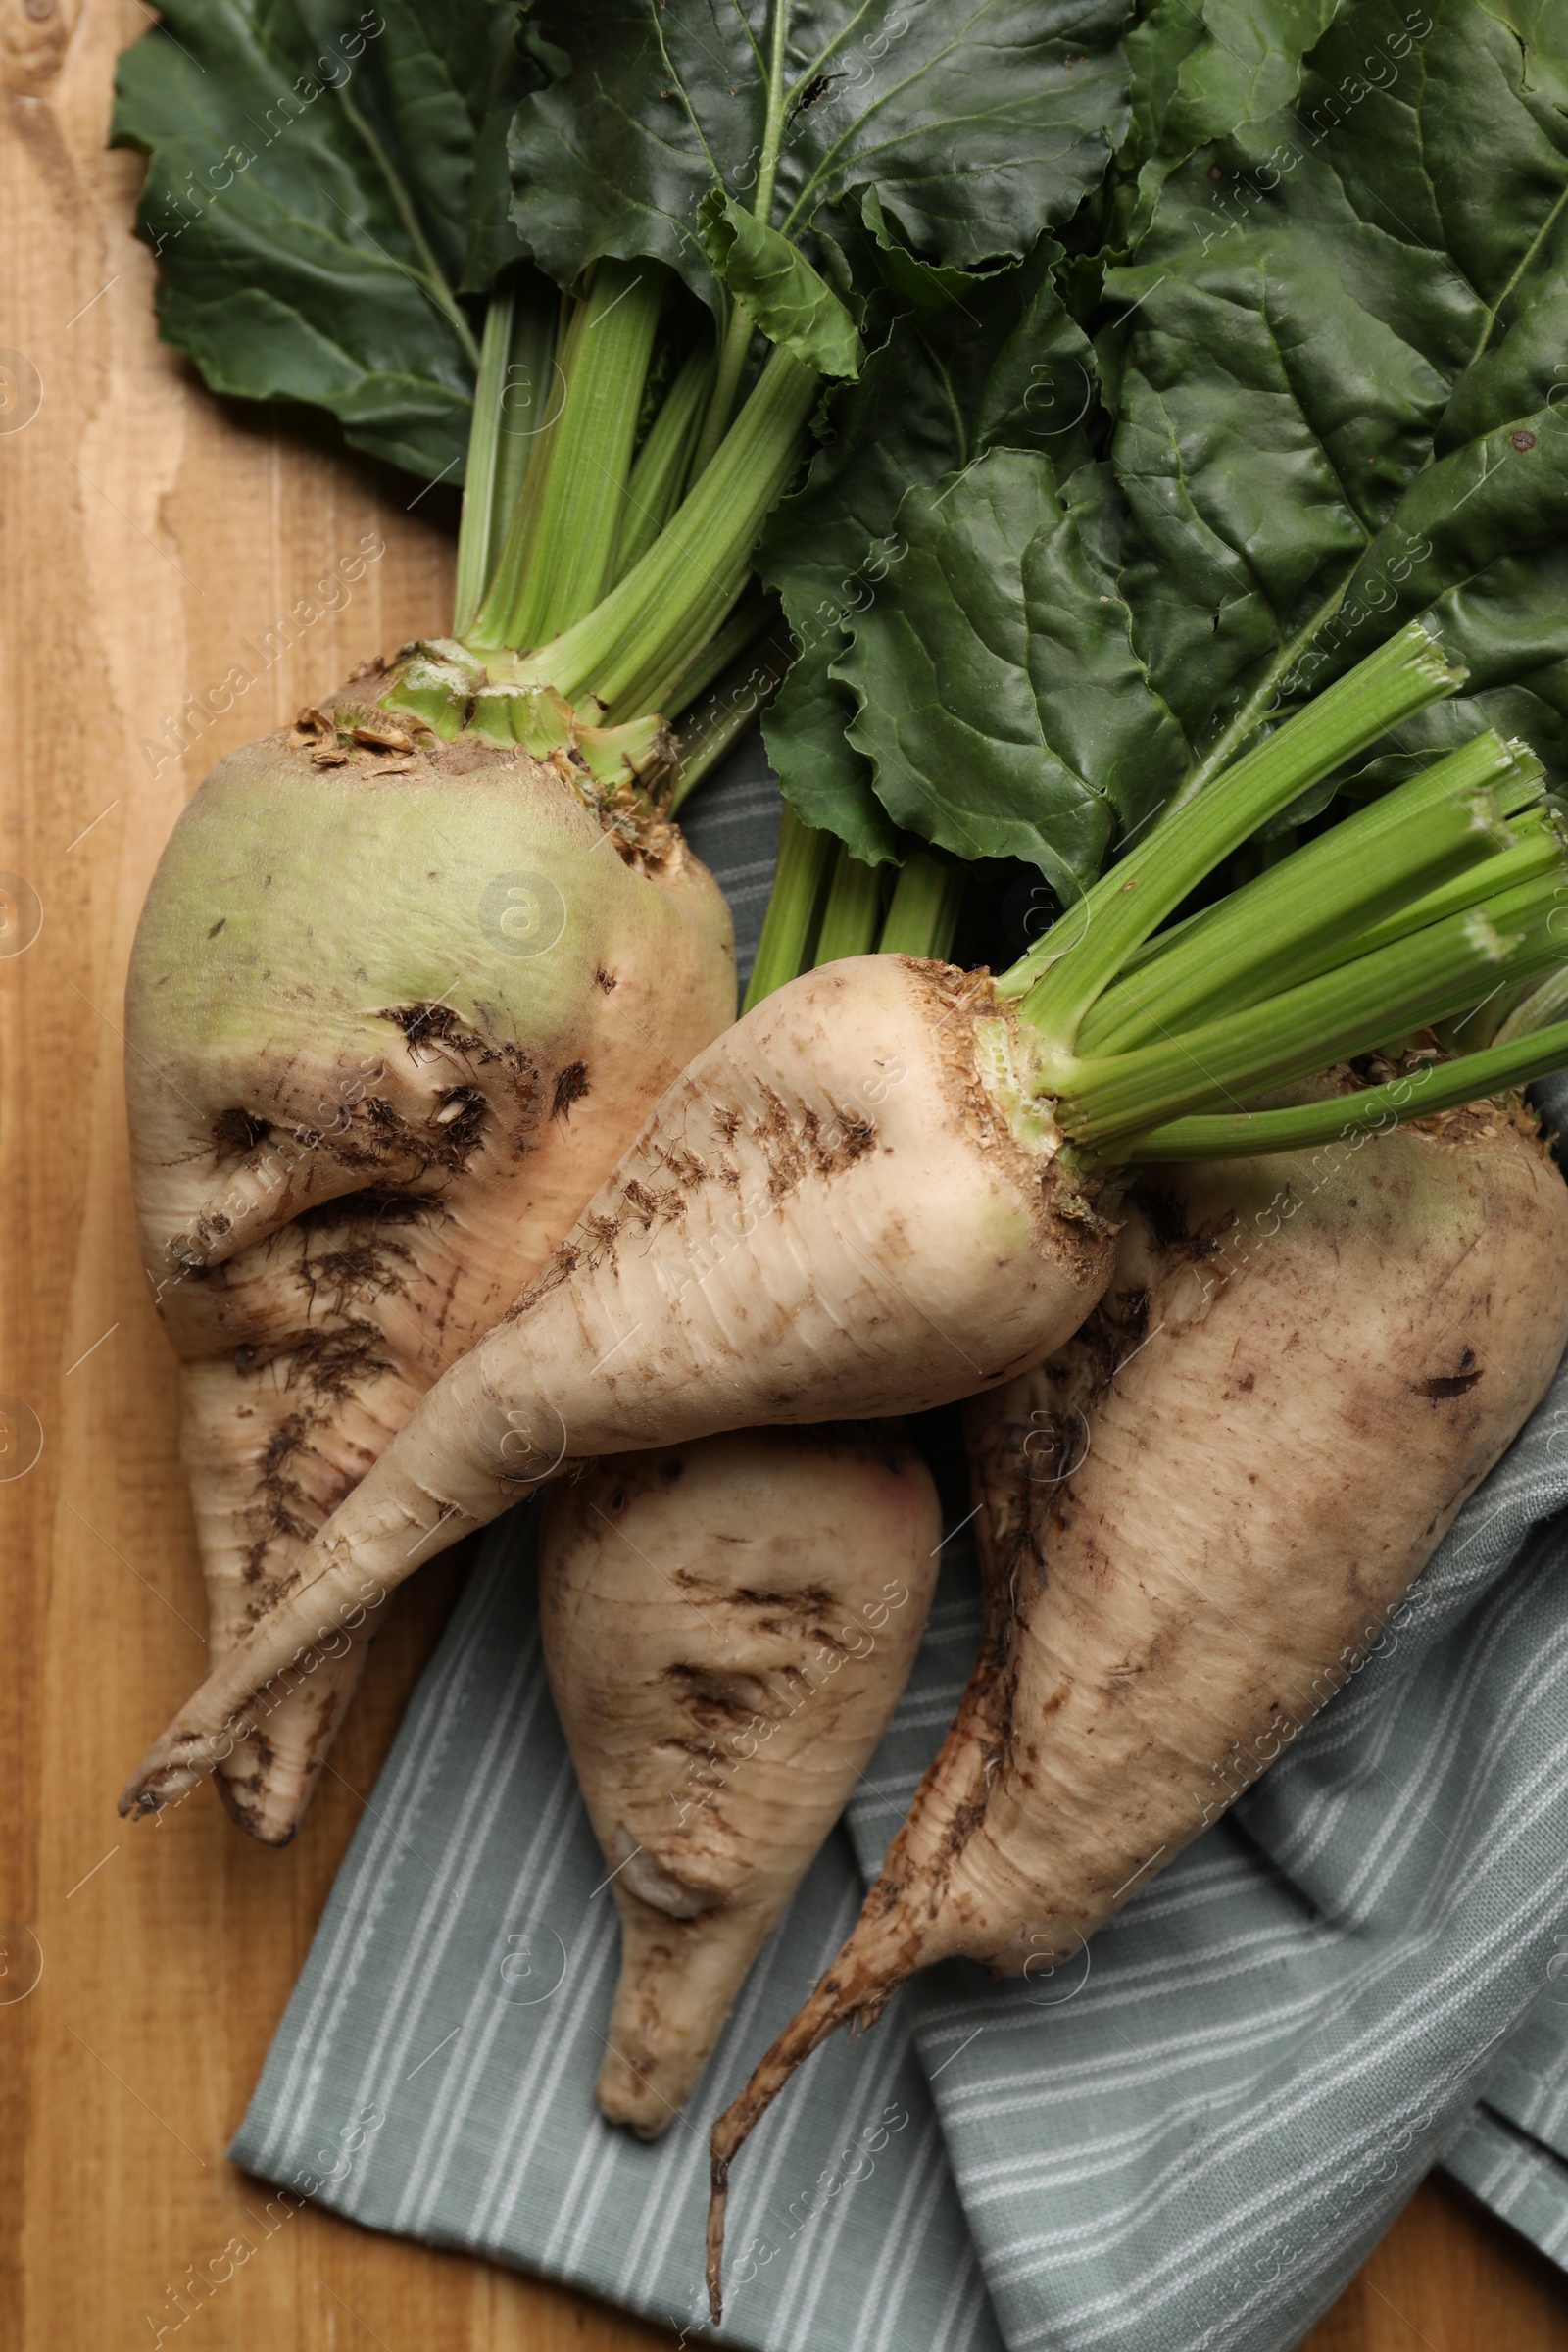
(1193, 1519)
(835, 1213)
(727, 1628)
(395, 1008)
(878, 1192)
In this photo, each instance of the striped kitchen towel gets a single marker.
(1189, 2139)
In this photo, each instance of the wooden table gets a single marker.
(150, 529)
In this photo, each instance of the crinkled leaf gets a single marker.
(1340, 345)
(778, 287)
(1201, 70)
(435, 93)
(1001, 702)
(506, 73)
(979, 125)
(926, 286)
(1336, 372)
(824, 778)
(1504, 615)
(321, 176)
(1509, 626)
(1003, 364)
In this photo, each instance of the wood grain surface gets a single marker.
(153, 537)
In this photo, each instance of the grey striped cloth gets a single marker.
(1189, 2143)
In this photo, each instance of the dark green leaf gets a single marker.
(314, 199)
(432, 83)
(978, 125)
(1001, 365)
(926, 286)
(806, 733)
(1202, 68)
(1340, 375)
(1001, 702)
(777, 289)
(1511, 627)
(1338, 350)
(506, 71)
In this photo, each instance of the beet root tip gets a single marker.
(717, 2201)
(855, 1990)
